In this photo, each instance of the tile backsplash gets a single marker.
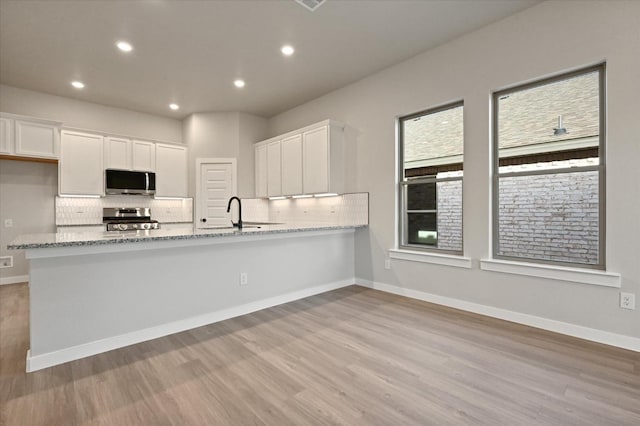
(255, 210)
(88, 211)
(347, 209)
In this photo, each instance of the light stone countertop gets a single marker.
(75, 239)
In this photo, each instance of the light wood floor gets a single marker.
(352, 356)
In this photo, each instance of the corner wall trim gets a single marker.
(38, 362)
(586, 333)
(14, 280)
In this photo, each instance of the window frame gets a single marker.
(601, 168)
(402, 183)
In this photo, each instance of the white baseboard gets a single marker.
(586, 333)
(38, 362)
(14, 280)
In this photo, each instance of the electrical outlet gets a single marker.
(6, 262)
(244, 278)
(627, 300)
(387, 264)
(8, 223)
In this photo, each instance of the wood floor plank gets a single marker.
(353, 356)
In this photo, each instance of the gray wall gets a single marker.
(252, 129)
(224, 135)
(537, 42)
(27, 192)
(209, 135)
(90, 116)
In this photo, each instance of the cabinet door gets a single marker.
(34, 139)
(81, 164)
(274, 170)
(261, 170)
(292, 165)
(315, 152)
(6, 136)
(171, 171)
(144, 156)
(117, 153)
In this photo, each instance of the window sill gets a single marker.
(435, 258)
(561, 273)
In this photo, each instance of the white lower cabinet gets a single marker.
(81, 166)
(171, 171)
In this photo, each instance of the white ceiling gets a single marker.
(189, 52)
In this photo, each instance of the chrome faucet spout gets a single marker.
(239, 223)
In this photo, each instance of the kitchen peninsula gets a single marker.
(94, 292)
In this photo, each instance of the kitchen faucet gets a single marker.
(239, 223)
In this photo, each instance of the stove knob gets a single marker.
(145, 226)
(122, 227)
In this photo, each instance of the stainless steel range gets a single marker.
(128, 219)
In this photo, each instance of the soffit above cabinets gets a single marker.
(190, 52)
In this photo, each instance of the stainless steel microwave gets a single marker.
(129, 182)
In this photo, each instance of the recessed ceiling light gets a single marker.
(77, 84)
(124, 46)
(239, 83)
(287, 50)
(174, 107)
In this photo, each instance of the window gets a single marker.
(549, 169)
(430, 155)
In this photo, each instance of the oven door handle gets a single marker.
(146, 177)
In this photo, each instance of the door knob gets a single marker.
(204, 219)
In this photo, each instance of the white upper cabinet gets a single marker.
(323, 162)
(117, 153)
(23, 136)
(306, 161)
(171, 171)
(127, 154)
(261, 170)
(274, 171)
(292, 165)
(36, 139)
(81, 166)
(144, 156)
(6, 136)
(316, 160)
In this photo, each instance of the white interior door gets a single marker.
(217, 183)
